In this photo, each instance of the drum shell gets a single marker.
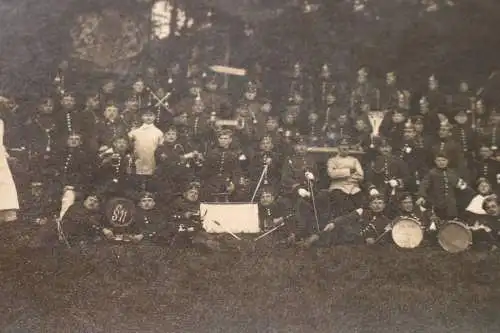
(407, 232)
(120, 213)
(455, 236)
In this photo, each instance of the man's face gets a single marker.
(485, 153)
(313, 118)
(377, 205)
(409, 133)
(36, 190)
(74, 141)
(147, 203)
(211, 86)
(170, 136)
(266, 107)
(111, 113)
(343, 150)
(266, 199)
(272, 124)
(342, 120)
(250, 95)
(398, 118)
(224, 141)
(484, 188)
(360, 125)
(243, 111)
(330, 99)
(444, 132)
(385, 150)
(461, 119)
(407, 205)
(47, 106)
(290, 118)
(91, 203)
(492, 208)
(120, 145)
(68, 102)
(266, 144)
(92, 102)
(441, 162)
(419, 127)
(148, 118)
(191, 195)
(362, 76)
(300, 149)
(138, 86)
(433, 83)
(198, 106)
(108, 87)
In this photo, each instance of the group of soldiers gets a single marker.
(309, 151)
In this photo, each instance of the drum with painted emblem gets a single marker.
(407, 232)
(120, 212)
(455, 236)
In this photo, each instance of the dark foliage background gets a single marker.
(453, 42)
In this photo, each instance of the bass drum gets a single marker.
(455, 237)
(120, 212)
(407, 232)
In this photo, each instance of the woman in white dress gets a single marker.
(9, 203)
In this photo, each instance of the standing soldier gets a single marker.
(364, 97)
(389, 175)
(491, 132)
(111, 128)
(199, 129)
(462, 101)
(446, 145)
(389, 94)
(214, 99)
(436, 99)
(465, 136)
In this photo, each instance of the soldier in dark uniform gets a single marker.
(199, 129)
(112, 127)
(440, 189)
(177, 162)
(389, 175)
(414, 156)
(185, 105)
(82, 220)
(436, 98)
(130, 114)
(486, 166)
(491, 132)
(429, 118)
(364, 97)
(447, 146)
(221, 167)
(392, 126)
(69, 118)
(214, 99)
(341, 128)
(462, 101)
(266, 155)
(389, 93)
(115, 171)
(91, 116)
(150, 222)
(298, 177)
(141, 93)
(465, 136)
(185, 213)
(274, 211)
(42, 142)
(362, 226)
(330, 111)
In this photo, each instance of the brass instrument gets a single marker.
(237, 123)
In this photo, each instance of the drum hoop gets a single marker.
(463, 226)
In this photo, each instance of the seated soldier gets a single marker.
(81, 221)
(362, 225)
(185, 212)
(274, 211)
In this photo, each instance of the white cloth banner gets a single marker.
(232, 217)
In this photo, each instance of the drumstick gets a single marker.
(229, 232)
(270, 231)
(382, 236)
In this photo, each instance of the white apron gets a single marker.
(8, 192)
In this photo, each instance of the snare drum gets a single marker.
(407, 232)
(455, 236)
(120, 212)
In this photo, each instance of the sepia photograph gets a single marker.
(249, 166)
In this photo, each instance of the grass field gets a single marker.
(111, 288)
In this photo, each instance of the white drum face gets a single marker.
(407, 234)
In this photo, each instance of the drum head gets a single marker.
(407, 233)
(120, 212)
(455, 237)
